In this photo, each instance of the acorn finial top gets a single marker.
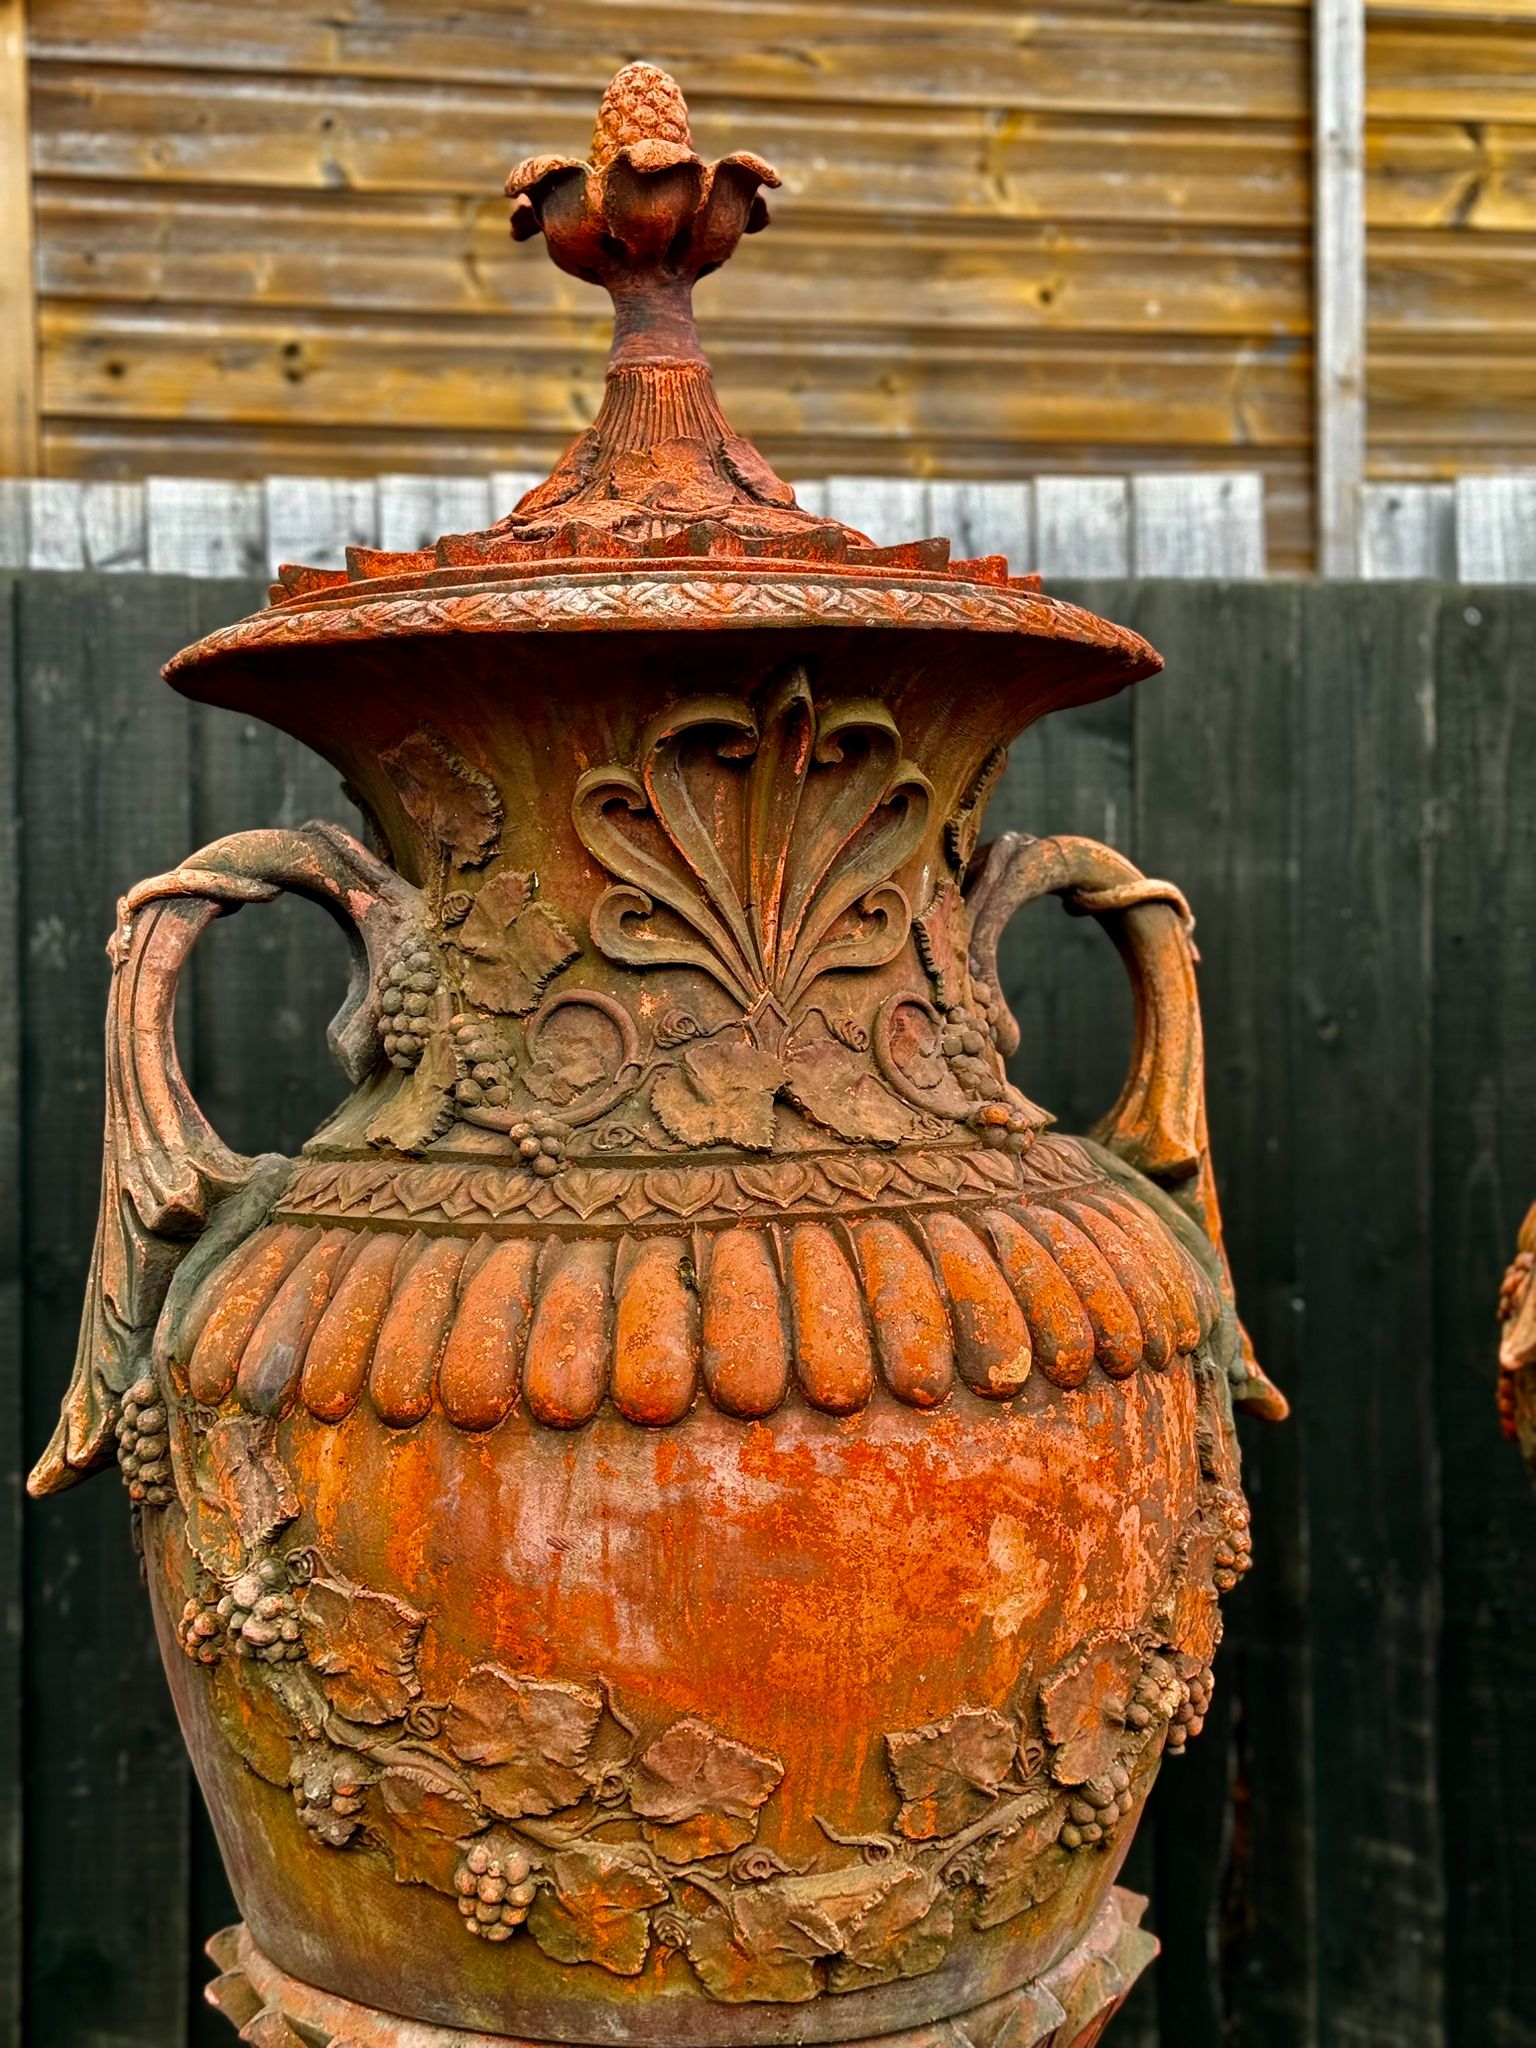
(647, 215)
(642, 104)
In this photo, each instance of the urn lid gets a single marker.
(659, 515)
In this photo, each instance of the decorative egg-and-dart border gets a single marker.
(416, 1298)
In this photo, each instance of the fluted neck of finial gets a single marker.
(654, 406)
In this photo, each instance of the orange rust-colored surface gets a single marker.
(690, 1515)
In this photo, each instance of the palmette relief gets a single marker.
(752, 845)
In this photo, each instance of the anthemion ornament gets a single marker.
(690, 1514)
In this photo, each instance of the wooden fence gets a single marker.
(1178, 523)
(1156, 524)
(1341, 777)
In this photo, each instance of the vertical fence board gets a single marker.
(416, 511)
(202, 526)
(1216, 813)
(105, 777)
(985, 519)
(1351, 1812)
(1485, 1175)
(1496, 528)
(1082, 526)
(112, 526)
(1363, 1180)
(15, 522)
(1197, 525)
(313, 520)
(890, 509)
(12, 1421)
(1407, 530)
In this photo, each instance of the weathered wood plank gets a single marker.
(104, 763)
(15, 522)
(889, 509)
(1484, 1145)
(1338, 273)
(1361, 1053)
(315, 519)
(59, 523)
(55, 538)
(1230, 62)
(1462, 175)
(202, 526)
(1407, 530)
(1445, 70)
(110, 448)
(416, 511)
(1082, 526)
(255, 366)
(18, 358)
(1496, 529)
(1216, 811)
(1451, 285)
(360, 135)
(134, 242)
(13, 1435)
(112, 526)
(1468, 404)
(986, 519)
(1198, 525)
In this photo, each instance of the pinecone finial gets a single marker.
(642, 104)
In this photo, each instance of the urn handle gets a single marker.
(164, 1166)
(1157, 1124)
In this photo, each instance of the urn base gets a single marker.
(1069, 2007)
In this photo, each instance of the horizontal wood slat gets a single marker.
(181, 364)
(1451, 70)
(143, 243)
(1451, 148)
(1226, 61)
(993, 162)
(1063, 239)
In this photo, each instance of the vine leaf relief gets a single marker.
(949, 1773)
(698, 1792)
(365, 1644)
(757, 845)
(530, 1736)
(534, 1803)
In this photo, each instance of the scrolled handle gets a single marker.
(164, 1166)
(1158, 1122)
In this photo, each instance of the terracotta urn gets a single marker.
(1517, 1344)
(690, 1514)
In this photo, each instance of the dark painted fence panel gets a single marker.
(1344, 781)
